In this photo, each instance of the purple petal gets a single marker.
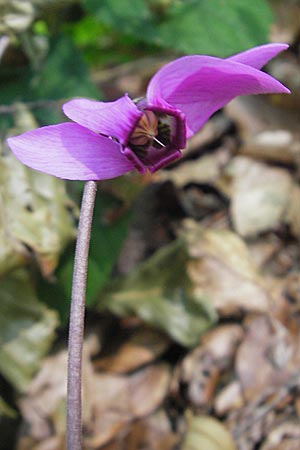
(257, 57)
(200, 85)
(70, 151)
(116, 119)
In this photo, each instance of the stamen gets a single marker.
(156, 140)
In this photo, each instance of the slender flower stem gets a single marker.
(76, 327)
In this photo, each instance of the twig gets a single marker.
(76, 327)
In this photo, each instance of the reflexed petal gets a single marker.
(259, 56)
(200, 85)
(70, 151)
(116, 119)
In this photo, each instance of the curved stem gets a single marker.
(76, 327)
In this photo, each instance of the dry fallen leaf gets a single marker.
(269, 347)
(200, 370)
(143, 346)
(293, 211)
(117, 400)
(111, 402)
(271, 145)
(154, 432)
(255, 114)
(223, 272)
(36, 216)
(260, 196)
(222, 342)
(27, 329)
(43, 405)
(229, 398)
(206, 169)
(207, 433)
(284, 437)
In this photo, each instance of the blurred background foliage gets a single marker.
(51, 50)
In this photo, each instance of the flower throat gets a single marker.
(152, 131)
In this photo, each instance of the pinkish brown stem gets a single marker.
(76, 326)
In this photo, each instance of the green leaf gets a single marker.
(101, 46)
(216, 27)
(160, 292)
(62, 75)
(26, 329)
(6, 410)
(193, 26)
(35, 216)
(107, 239)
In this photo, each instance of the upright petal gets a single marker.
(116, 119)
(257, 57)
(70, 151)
(200, 85)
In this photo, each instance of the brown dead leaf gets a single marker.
(286, 26)
(153, 433)
(111, 402)
(206, 169)
(260, 196)
(200, 369)
(293, 211)
(271, 145)
(264, 249)
(255, 114)
(45, 393)
(202, 383)
(211, 132)
(222, 343)
(269, 347)
(143, 346)
(148, 388)
(255, 420)
(43, 406)
(150, 433)
(284, 437)
(222, 271)
(229, 398)
(53, 443)
(292, 291)
(118, 400)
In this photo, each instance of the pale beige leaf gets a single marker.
(207, 433)
(223, 272)
(260, 196)
(206, 169)
(26, 329)
(35, 216)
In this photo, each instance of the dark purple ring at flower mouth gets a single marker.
(157, 138)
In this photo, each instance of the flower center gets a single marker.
(152, 131)
(157, 138)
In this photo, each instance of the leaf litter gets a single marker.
(203, 348)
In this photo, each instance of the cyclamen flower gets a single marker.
(108, 139)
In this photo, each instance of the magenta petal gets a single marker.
(116, 119)
(70, 151)
(259, 56)
(200, 85)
